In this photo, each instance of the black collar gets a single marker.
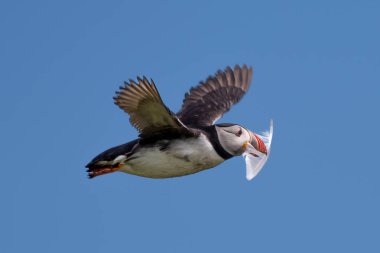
(210, 132)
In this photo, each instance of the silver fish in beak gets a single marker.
(257, 152)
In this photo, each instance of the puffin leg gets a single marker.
(103, 170)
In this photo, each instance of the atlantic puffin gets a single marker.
(178, 144)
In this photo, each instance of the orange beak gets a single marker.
(257, 143)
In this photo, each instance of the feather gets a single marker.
(146, 109)
(207, 102)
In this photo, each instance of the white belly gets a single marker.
(181, 157)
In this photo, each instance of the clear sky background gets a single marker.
(316, 73)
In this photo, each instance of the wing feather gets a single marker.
(146, 109)
(207, 102)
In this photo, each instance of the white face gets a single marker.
(233, 138)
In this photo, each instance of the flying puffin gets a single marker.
(177, 144)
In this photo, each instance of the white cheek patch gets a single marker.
(255, 164)
(230, 142)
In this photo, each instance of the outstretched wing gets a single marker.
(146, 110)
(207, 102)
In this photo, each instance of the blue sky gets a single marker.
(316, 73)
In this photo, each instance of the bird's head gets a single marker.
(237, 140)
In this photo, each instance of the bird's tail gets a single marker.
(110, 160)
(98, 170)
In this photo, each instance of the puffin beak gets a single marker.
(256, 144)
(256, 151)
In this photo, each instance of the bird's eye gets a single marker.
(239, 133)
